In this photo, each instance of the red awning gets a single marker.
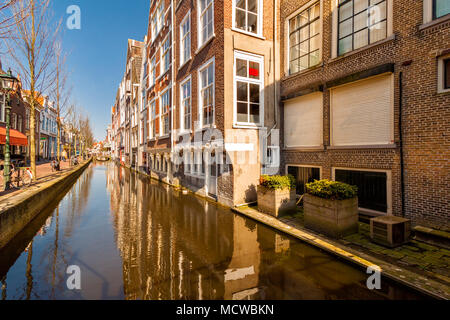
(16, 138)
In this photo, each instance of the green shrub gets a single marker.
(277, 182)
(332, 190)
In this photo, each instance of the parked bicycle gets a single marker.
(20, 177)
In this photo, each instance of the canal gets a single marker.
(133, 238)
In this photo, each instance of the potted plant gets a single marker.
(331, 207)
(276, 194)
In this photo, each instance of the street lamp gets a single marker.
(7, 84)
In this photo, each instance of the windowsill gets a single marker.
(443, 91)
(205, 43)
(254, 35)
(303, 72)
(376, 146)
(162, 75)
(434, 22)
(184, 63)
(247, 126)
(304, 149)
(209, 126)
(368, 47)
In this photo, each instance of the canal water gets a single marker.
(133, 238)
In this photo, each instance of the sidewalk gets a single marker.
(44, 173)
(422, 266)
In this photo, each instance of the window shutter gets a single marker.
(303, 121)
(362, 112)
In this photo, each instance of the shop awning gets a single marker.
(16, 138)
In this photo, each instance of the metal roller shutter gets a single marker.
(362, 112)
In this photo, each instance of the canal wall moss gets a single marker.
(17, 211)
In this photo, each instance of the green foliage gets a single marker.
(277, 182)
(332, 190)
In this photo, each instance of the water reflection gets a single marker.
(137, 239)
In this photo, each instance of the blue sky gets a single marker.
(97, 52)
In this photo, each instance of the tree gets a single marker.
(60, 92)
(8, 19)
(31, 47)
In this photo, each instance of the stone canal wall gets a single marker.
(18, 210)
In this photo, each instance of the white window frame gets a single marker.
(388, 188)
(161, 113)
(164, 52)
(200, 100)
(254, 58)
(153, 117)
(335, 22)
(152, 74)
(441, 74)
(287, 32)
(428, 12)
(259, 23)
(186, 37)
(183, 128)
(202, 42)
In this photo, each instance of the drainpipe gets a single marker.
(400, 120)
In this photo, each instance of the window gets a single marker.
(186, 105)
(247, 15)
(154, 26)
(185, 46)
(447, 74)
(187, 161)
(248, 82)
(305, 39)
(154, 120)
(360, 22)
(141, 137)
(165, 107)
(362, 112)
(444, 74)
(2, 107)
(303, 121)
(303, 175)
(165, 55)
(440, 8)
(372, 187)
(19, 125)
(160, 14)
(152, 71)
(27, 120)
(206, 24)
(14, 121)
(206, 75)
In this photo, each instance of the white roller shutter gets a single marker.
(303, 121)
(362, 112)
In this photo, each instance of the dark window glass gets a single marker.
(447, 74)
(372, 192)
(303, 175)
(440, 8)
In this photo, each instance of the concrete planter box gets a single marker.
(276, 202)
(335, 218)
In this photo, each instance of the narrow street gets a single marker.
(134, 238)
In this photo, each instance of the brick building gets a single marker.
(365, 100)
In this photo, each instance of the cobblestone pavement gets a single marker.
(429, 260)
(44, 173)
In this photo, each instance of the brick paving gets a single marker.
(44, 173)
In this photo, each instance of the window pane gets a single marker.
(252, 6)
(242, 112)
(315, 11)
(360, 21)
(254, 93)
(302, 19)
(360, 5)
(304, 33)
(304, 64)
(252, 23)
(442, 7)
(253, 70)
(377, 13)
(292, 24)
(241, 68)
(314, 58)
(210, 74)
(295, 51)
(240, 19)
(378, 32)
(361, 39)
(304, 48)
(242, 91)
(315, 43)
(447, 74)
(345, 28)
(202, 5)
(345, 45)
(346, 11)
(294, 38)
(293, 66)
(254, 113)
(240, 4)
(314, 28)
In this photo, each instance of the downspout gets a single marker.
(400, 135)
